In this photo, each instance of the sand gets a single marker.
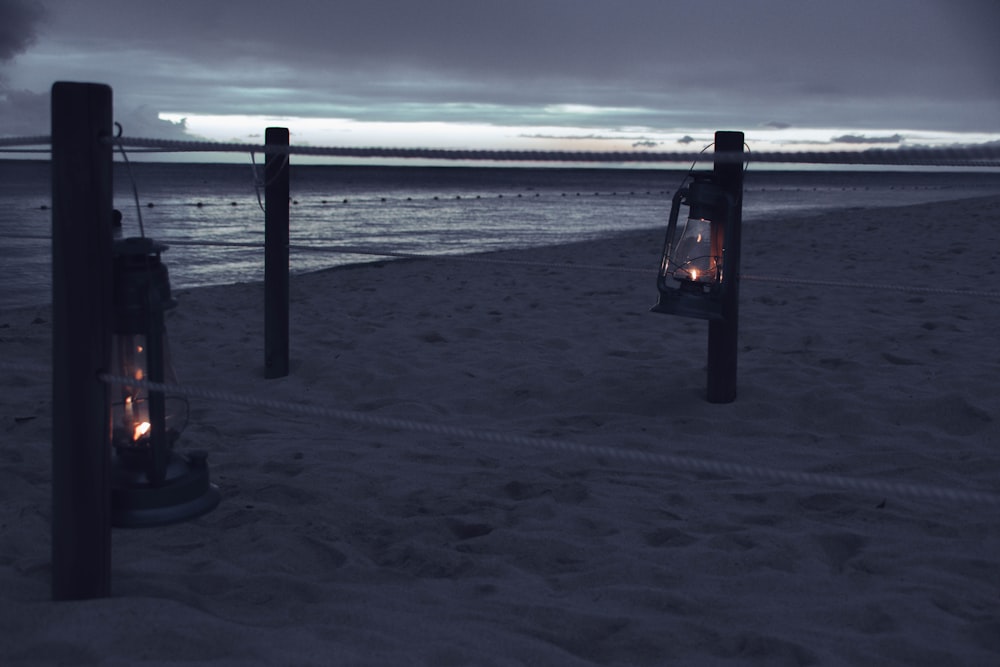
(340, 543)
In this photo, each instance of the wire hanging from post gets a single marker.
(259, 182)
(131, 176)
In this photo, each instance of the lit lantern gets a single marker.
(151, 483)
(693, 279)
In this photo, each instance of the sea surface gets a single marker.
(212, 216)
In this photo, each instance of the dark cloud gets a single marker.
(637, 141)
(861, 139)
(26, 113)
(19, 22)
(686, 64)
(774, 45)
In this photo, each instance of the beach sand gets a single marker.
(340, 543)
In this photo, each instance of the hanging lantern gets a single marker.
(693, 278)
(151, 483)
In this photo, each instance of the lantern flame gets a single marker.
(140, 430)
(694, 274)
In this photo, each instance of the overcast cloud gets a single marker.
(866, 67)
(17, 30)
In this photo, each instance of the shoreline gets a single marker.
(779, 219)
(347, 543)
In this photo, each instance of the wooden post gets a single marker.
(81, 333)
(276, 193)
(723, 345)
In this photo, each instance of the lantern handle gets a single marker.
(668, 240)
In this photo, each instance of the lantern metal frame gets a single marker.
(151, 483)
(708, 201)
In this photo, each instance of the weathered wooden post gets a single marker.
(81, 332)
(723, 346)
(276, 194)
(700, 267)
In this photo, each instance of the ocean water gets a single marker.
(422, 210)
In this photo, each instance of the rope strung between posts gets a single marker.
(27, 237)
(688, 464)
(486, 259)
(986, 155)
(956, 156)
(35, 140)
(868, 286)
(475, 258)
(677, 463)
(375, 252)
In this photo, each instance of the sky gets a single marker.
(517, 74)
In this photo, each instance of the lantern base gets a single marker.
(186, 493)
(689, 303)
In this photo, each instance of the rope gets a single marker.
(978, 155)
(486, 259)
(984, 155)
(36, 140)
(477, 258)
(677, 463)
(213, 244)
(27, 237)
(375, 252)
(869, 286)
